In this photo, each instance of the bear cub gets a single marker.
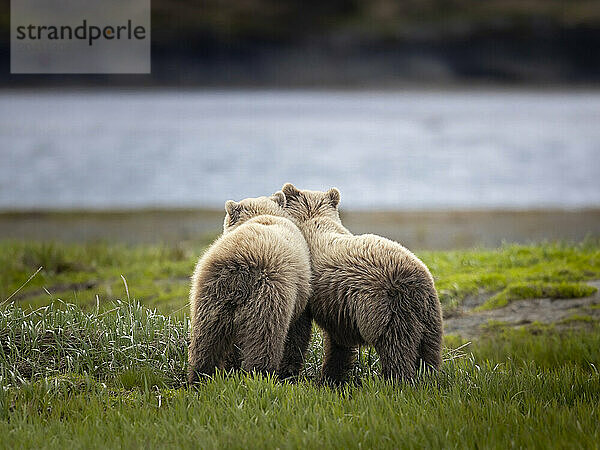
(249, 294)
(366, 290)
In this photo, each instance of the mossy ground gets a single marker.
(522, 291)
(158, 275)
(108, 373)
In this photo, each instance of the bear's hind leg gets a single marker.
(233, 359)
(262, 351)
(210, 340)
(338, 360)
(397, 350)
(430, 349)
(296, 345)
(263, 329)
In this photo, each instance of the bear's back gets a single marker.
(368, 263)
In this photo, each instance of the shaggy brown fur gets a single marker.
(248, 290)
(366, 289)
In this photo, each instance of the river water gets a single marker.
(384, 150)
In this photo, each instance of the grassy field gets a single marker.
(90, 359)
(158, 276)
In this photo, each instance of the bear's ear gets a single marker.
(290, 191)
(334, 197)
(233, 209)
(279, 198)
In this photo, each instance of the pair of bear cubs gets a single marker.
(285, 260)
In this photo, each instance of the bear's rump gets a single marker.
(233, 278)
(359, 292)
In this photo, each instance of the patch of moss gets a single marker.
(144, 379)
(494, 326)
(578, 318)
(522, 291)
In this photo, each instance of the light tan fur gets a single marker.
(366, 289)
(249, 293)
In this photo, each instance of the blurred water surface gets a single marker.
(385, 150)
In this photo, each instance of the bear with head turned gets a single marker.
(366, 290)
(249, 294)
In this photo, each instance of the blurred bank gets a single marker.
(333, 43)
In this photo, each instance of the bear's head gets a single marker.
(239, 212)
(304, 204)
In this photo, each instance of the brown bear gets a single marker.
(366, 290)
(249, 293)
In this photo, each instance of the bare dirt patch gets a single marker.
(467, 323)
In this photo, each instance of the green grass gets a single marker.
(159, 275)
(78, 273)
(115, 380)
(520, 271)
(112, 345)
(463, 407)
(102, 372)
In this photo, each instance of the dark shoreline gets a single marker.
(545, 53)
(402, 86)
(433, 229)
